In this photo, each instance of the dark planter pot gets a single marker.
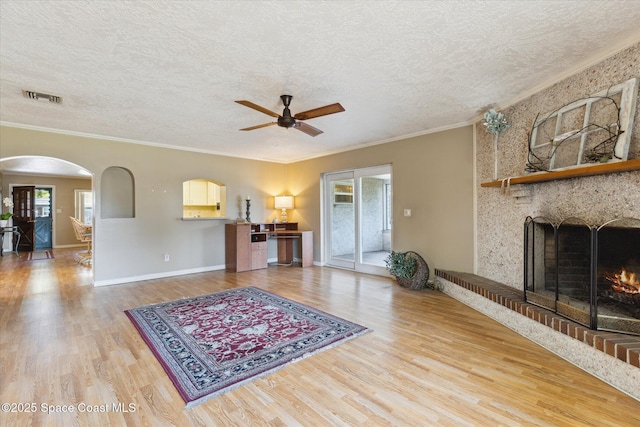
(420, 277)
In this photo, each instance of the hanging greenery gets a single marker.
(495, 122)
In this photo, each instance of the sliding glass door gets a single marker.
(374, 207)
(340, 233)
(358, 218)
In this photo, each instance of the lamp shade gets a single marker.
(283, 202)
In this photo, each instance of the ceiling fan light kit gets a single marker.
(286, 120)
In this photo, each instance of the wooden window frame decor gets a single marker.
(596, 129)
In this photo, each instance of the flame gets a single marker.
(626, 282)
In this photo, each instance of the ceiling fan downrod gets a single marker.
(286, 120)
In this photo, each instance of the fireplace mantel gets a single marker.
(587, 170)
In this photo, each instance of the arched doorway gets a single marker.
(58, 179)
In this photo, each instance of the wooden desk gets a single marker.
(246, 245)
(285, 245)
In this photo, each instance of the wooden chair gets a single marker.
(83, 234)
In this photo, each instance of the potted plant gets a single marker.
(409, 268)
(4, 216)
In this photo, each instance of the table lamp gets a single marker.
(284, 203)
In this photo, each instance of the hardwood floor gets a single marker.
(430, 360)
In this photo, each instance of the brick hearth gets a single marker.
(622, 346)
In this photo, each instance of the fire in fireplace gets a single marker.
(626, 283)
(587, 273)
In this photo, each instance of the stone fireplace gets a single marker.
(595, 199)
(586, 273)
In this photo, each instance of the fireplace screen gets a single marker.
(589, 274)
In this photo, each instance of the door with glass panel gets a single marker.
(340, 219)
(358, 218)
(373, 211)
(24, 216)
(44, 218)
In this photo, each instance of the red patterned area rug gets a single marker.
(211, 344)
(39, 255)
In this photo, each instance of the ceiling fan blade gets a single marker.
(259, 108)
(317, 112)
(260, 126)
(309, 130)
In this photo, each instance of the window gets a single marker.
(43, 202)
(387, 206)
(343, 192)
(84, 206)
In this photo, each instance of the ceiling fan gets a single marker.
(286, 120)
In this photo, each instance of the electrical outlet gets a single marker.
(407, 212)
(166, 257)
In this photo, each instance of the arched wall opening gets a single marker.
(65, 179)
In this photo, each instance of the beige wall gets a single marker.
(596, 199)
(132, 249)
(432, 175)
(63, 235)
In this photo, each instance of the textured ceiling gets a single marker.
(168, 72)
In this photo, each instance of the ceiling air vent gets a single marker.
(39, 96)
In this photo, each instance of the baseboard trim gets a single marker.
(131, 279)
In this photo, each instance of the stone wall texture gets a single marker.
(596, 199)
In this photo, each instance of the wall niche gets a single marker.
(117, 198)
